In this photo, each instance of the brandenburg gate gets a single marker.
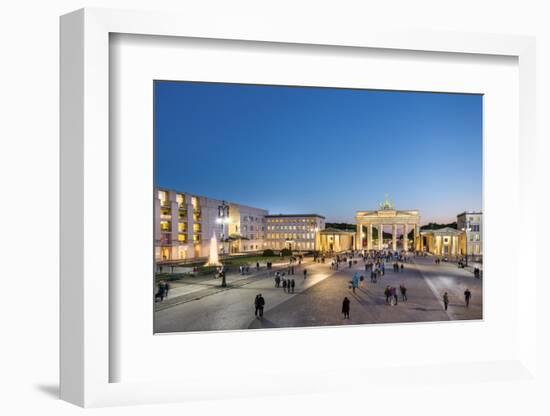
(387, 215)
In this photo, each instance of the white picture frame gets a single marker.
(86, 355)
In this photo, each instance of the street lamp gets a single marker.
(467, 229)
(223, 218)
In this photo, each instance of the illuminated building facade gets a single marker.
(296, 232)
(185, 223)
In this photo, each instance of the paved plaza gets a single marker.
(317, 300)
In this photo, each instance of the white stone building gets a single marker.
(471, 224)
(297, 232)
(185, 223)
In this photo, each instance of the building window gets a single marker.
(165, 226)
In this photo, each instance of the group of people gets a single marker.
(391, 294)
(356, 281)
(245, 269)
(346, 259)
(286, 283)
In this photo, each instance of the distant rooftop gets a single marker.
(470, 213)
(293, 215)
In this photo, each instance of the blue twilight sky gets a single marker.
(320, 150)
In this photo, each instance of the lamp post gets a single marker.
(316, 239)
(223, 219)
(467, 229)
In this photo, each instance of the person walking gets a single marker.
(261, 303)
(292, 284)
(257, 305)
(387, 293)
(277, 280)
(355, 281)
(467, 296)
(345, 308)
(403, 290)
(394, 295)
(284, 284)
(305, 273)
(446, 300)
(161, 288)
(166, 289)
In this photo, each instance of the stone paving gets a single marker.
(234, 308)
(318, 300)
(196, 288)
(447, 277)
(322, 304)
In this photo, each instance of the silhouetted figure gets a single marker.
(345, 308)
(467, 297)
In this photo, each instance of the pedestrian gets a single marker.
(292, 284)
(345, 308)
(467, 296)
(277, 280)
(160, 291)
(403, 290)
(355, 281)
(261, 304)
(394, 294)
(166, 289)
(387, 293)
(257, 265)
(446, 300)
(257, 305)
(305, 273)
(284, 284)
(402, 266)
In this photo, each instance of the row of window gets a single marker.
(293, 220)
(298, 245)
(166, 226)
(288, 236)
(252, 228)
(289, 227)
(248, 218)
(164, 197)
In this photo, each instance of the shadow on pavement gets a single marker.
(262, 323)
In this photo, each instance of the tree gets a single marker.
(285, 252)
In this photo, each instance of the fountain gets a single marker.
(213, 256)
